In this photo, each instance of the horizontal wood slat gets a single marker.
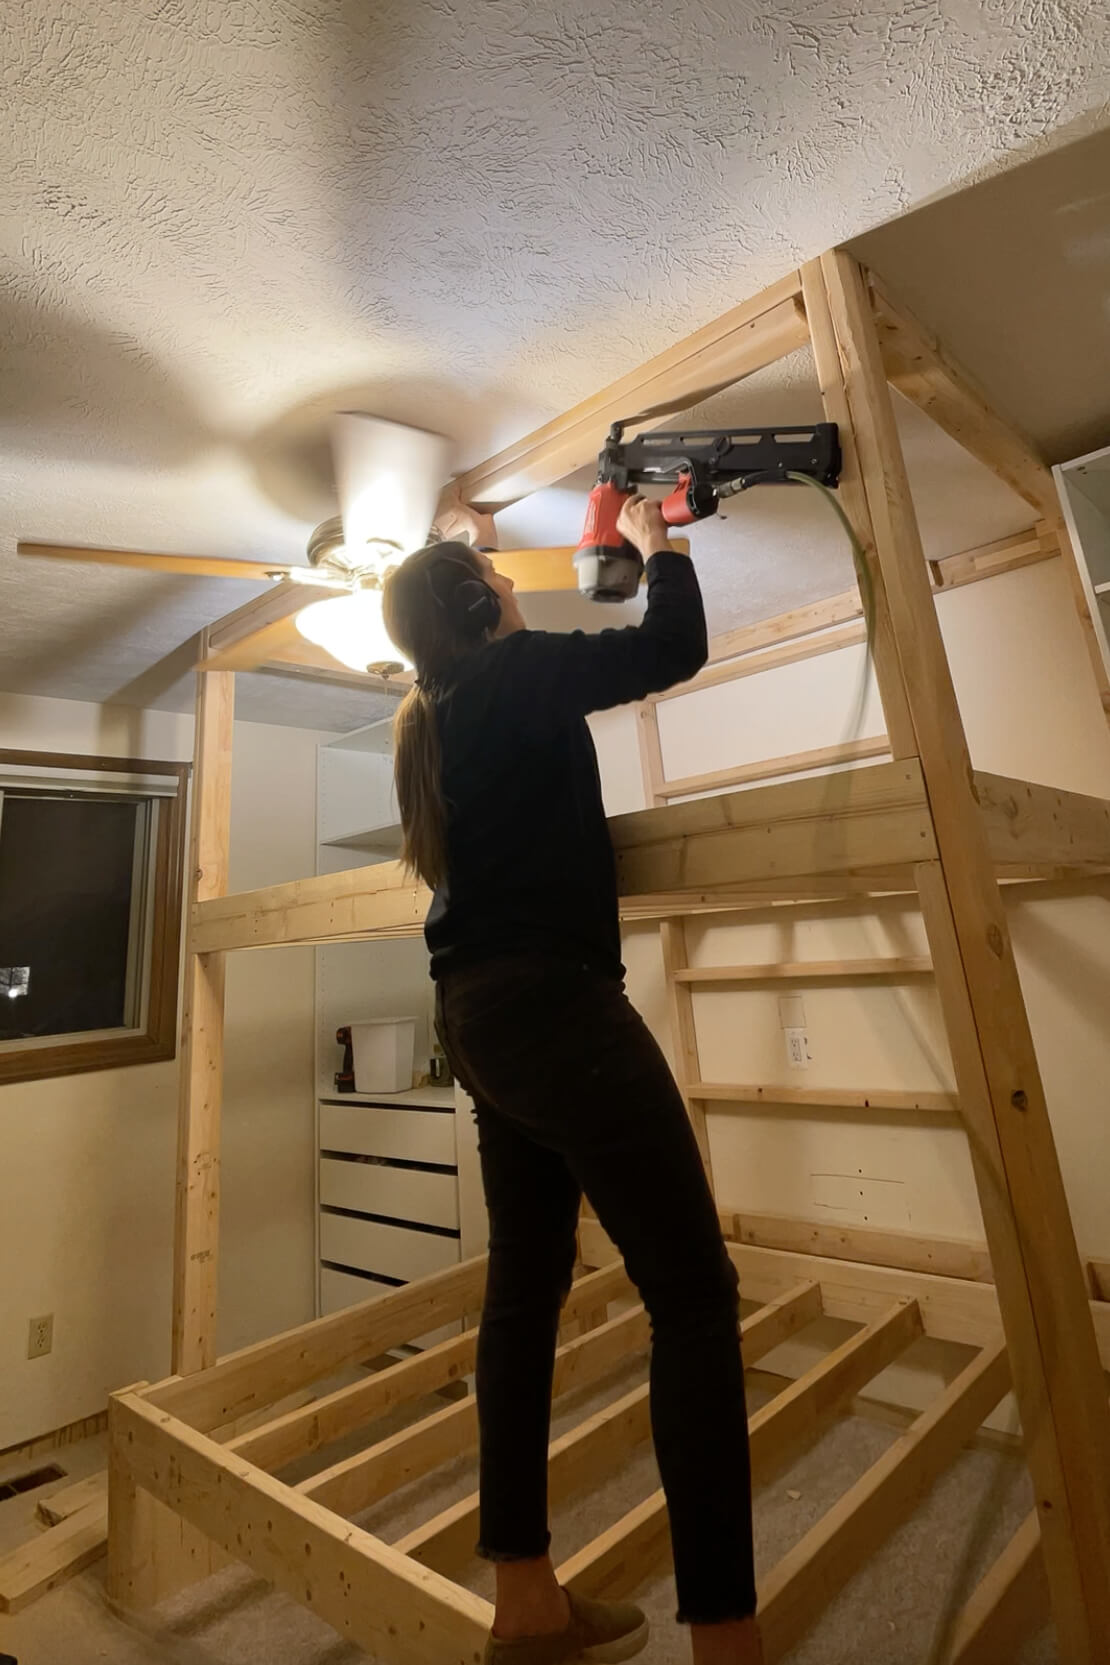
(904, 965)
(825, 1097)
(792, 763)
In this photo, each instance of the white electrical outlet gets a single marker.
(797, 1048)
(40, 1336)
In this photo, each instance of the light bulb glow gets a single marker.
(351, 628)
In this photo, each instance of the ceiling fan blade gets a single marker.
(388, 478)
(189, 566)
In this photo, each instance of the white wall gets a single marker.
(87, 1161)
(1031, 709)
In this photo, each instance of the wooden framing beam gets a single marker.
(357, 1481)
(789, 652)
(834, 1098)
(1057, 1377)
(751, 336)
(1035, 824)
(923, 372)
(322, 1420)
(597, 1448)
(615, 1562)
(803, 1583)
(367, 1591)
(949, 1257)
(200, 1075)
(269, 1371)
(893, 967)
(1008, 1605)
(792, 763)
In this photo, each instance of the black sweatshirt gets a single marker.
(530, 864)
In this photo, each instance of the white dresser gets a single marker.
(388, 1191)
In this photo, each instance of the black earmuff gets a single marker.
(473, 607)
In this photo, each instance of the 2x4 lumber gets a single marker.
(1099, 1273)
(791, 763)
(751, 336)
(770, 659)
(1057, 1377)
(952, 1308)
(949, 572)
(923, 371)
(615, 1562)
(596, 1448)
(835, 1098)
(950, 1257)
(266, 1372)
(62, 1504)
(874, 817)
(1007, 1606)
(803, 1583)
(200, 1075)
(328, 1418)
(362, 1479)
(810, 971)
(359, 902)
(365, 1590)
(1030, 823)
(53, 1556)
(257, 631)
(854, 500)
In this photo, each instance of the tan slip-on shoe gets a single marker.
(601, 1631)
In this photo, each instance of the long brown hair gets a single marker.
(421, 622)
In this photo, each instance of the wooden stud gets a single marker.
(684, 1034)
(270, 1370)
(836, 1098)
(359, 1480)
(598, 1447)
(52, 1557)
(751, 336)
(804, 1582)
(367, 1591)
(1029, 823)
(751, 664)
(949, 1257)
(613, 1564)
(923, 372)
(200, 1076)
(810, 971)
(1056, 1371)
(1007, 1606)
(793, 763)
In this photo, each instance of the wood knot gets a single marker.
(1019, 1100)
(994, 940)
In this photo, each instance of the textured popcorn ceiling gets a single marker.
(222, 221)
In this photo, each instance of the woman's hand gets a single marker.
(641, 522)
(458, 520)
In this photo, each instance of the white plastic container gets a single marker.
(382, 1051)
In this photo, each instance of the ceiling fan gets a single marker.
(388, 480)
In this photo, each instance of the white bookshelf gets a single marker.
(1084, 488)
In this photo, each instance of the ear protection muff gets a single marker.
(473, 607)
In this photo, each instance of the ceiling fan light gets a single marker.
(352, 630)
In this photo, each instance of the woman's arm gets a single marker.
(559, 675)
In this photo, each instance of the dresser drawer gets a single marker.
(377, 1130)
(390, 1251)
(402, 1193)
(343, 1289)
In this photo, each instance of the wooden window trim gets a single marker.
(157, 1043)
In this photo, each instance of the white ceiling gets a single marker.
(220, 223)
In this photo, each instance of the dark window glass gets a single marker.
(67, 879)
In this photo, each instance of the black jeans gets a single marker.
(573, 1095)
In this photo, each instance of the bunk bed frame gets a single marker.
(189, 1486)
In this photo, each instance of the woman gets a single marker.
(501, 809)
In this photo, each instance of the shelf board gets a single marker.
(374, 737)
(1103, 589)
(386, 840)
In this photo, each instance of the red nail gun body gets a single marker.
(706, 465)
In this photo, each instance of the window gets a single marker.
(91, 871)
